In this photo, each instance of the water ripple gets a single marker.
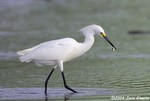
(56, 93)
(147, 56)
(7, 55)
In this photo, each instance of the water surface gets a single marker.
(100, 73)
(53, 93)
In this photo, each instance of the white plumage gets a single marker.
(56, 52)
(49, 53)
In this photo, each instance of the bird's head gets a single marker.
(96, 30)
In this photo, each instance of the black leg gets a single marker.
(65, 84)
(46, 81)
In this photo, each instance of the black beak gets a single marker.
(107, 39)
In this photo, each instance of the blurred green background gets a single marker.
(25, 23)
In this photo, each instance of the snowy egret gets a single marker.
(56, 52)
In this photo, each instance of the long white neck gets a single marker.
(81, 47)
(87, 44)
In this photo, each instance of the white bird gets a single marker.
(56, 52)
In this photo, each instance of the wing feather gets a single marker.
(51, 50)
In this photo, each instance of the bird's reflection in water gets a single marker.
(66, 96)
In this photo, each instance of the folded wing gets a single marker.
(48, 51)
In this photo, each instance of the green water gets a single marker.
(126, 71)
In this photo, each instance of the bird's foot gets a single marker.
(67, 87)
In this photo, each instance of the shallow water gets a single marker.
(53, 93)
(136, 56)
(100, 73)
(7, 55)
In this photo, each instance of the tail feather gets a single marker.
(23, 52)
(25, 58)
(24, 55)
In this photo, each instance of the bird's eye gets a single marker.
(102, 34)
